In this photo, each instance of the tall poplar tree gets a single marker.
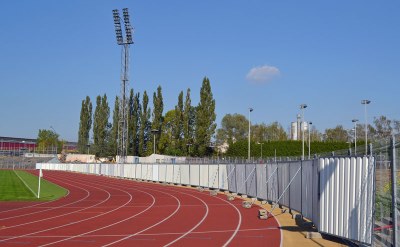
(85, 124)
(101, 125)
(158, 108)
(205, 120)
(178, 124)
(144, 133)
(134, 123)
(188, 122)
(113, 137)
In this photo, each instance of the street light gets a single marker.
(260, 143)
(365, 102)
(309, 139)
(250, 110)
(154, 131)
(189, 144)
(355, 135)
(302, 107)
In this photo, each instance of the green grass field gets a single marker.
(17, 185)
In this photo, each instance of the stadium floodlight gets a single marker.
(117, 24)
(128, 27)
(122, 143)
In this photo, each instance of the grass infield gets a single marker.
(17, 185)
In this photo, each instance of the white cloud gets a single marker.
(262, 74)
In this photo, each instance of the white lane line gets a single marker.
(82, 234)
(154, 225)
(60, 215)
(197, 225)
(33, 205)
(25, 183)
(45, 230)
(156, 234)
(141, 212)
(239, 222)
(49, 208)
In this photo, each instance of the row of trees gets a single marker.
(234, 127)
(184, 130)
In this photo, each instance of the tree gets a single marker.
(383, 127)
(167, 141)
(336, 134)
(144, 133)
(48, 140)
(134, 123)
(113, 137)
(271, 132)
(157, 117)
(396, 126)
(85, 124)
(101, 126)
(233, 127)
(315, 135)
(178, 123)
(205, 119)
(189, 115)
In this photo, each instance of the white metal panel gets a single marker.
(145, 172)
(149, 172)
(170, 173)
(185, 174)
(194, 175)
(163, 172)
(346, 203)
(138, 171)
(223, 177)
(176, 174)
(155, 172)
(204, 175)
(213, 176)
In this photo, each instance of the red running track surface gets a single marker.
(102, 211)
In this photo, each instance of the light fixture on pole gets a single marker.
(302, 107)
(189, 144)
(355, 135)
(250, 110)
(309, 139)
(260, 143)
(154, 131)
(365, 102)
(122, 143)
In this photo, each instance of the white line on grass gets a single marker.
(25, 184)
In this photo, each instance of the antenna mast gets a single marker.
(122, 142)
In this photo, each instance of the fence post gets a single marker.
(394, 189)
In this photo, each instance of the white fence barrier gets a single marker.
(335, 193)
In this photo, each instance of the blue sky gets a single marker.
(269, 55)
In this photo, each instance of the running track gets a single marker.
(102, 211)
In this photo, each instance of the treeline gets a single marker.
(184, 130)
(234, 127)
(286, 148)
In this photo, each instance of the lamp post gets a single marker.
(365, 102)
(250, 110)
(355, 135)
(309, 139)
(260, 143)
(302, 107)
(189, 144)
(154, 131)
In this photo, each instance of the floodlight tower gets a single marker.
(122, 142)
